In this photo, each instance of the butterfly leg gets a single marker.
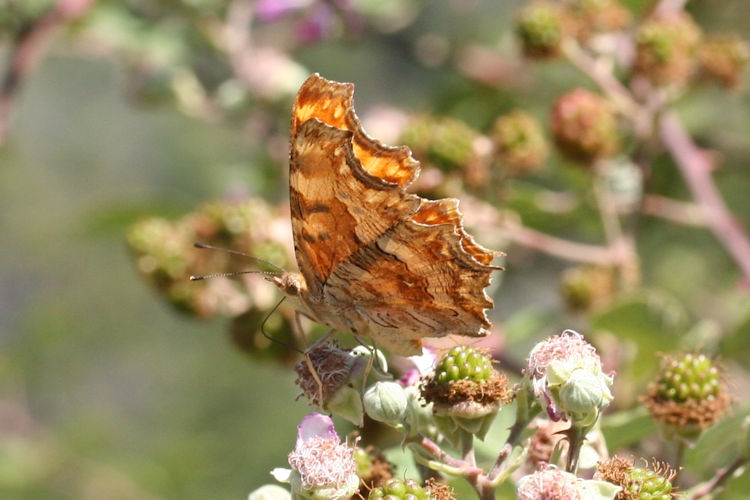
(322, 340)
(370, 362)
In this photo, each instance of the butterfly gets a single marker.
(374, 259)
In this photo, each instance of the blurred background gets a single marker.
(131, 129)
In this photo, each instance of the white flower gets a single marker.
(322, 466)
(552, 483)
(566, 377)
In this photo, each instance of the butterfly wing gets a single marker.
(376, 259)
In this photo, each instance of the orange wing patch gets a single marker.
(373, 258)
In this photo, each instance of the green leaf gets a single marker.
(647, 323)
(626, 428)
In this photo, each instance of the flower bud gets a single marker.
(586, 287)
(386, 402)
(565, 375)
(583, 391)
(592, 17)
(448, 143)
(519, 141)
(666, 48)
(541, 28)
(723, 58)
(584, 126)
(270, 492)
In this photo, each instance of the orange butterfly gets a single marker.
(374, 259)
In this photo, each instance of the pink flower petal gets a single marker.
(315, 424)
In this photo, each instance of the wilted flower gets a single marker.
(323, 468)
(552, 483)
(372, 468)
(565, 375)
(336, 382)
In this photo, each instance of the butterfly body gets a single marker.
(374, 259)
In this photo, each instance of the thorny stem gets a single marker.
(610, 221)
(681, 212)
(721, 477)
(602, 74)
(613, 230)
(693, 162)
(467, 446)
(576, 435)
(696, 167)
(434, 450)
(565, 249)
(524, 415)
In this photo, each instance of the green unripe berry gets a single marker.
(646, 484)
(690, 376)
(540, 28)
(464, 363)
(399, 489)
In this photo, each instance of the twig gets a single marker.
(28, 49)
(565, 249)
(721, 477)
(606, 80)
(607, 210)
(681, 212)
(433, 449)
(696, 167)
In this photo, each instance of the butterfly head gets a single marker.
(290, 283)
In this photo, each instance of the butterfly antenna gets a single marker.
(206, 246)
(229, 275)
(266, 335)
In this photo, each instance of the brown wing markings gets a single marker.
(315, 156)
(358, 206)
(438, 281)
(446, 211)
(377, 260)
(333, 104)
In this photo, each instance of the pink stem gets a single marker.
(696, 167)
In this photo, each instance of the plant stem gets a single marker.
(467, 448)
(576, 436)
(696, 167)
(721, 477)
